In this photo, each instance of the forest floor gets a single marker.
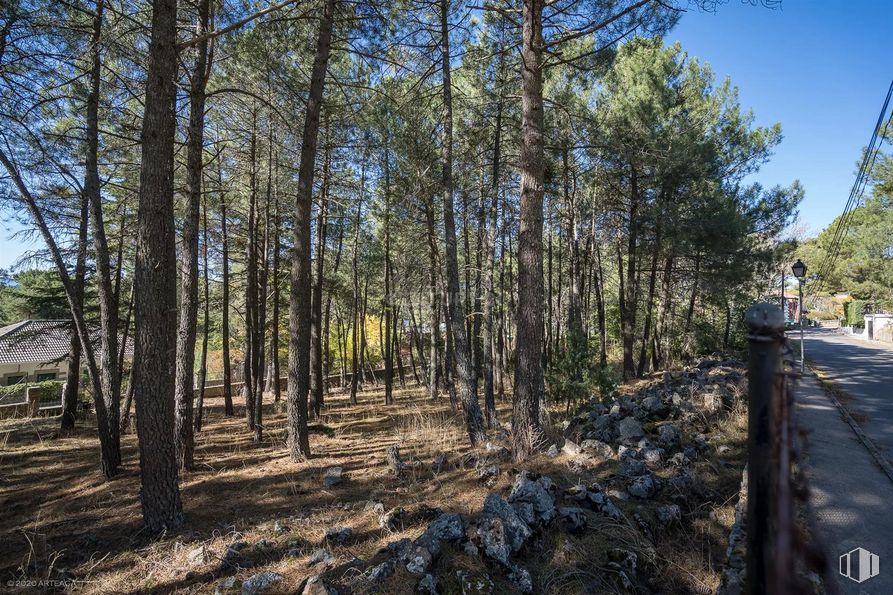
(59, 518)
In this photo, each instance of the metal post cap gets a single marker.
(764, 319)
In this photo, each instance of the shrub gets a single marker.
(854, 313)
(50, 390)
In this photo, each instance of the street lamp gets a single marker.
(800, 272)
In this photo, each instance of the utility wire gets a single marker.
(855, 198)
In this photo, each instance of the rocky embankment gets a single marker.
(609, 506)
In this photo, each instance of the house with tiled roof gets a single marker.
(34, 351)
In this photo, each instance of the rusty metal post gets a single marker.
(765, 324)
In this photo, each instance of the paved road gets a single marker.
(851, 496)
(864, 370)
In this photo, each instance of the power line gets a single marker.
(855, 198)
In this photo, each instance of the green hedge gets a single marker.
(854, 313)
(50, 389)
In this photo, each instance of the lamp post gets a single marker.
(800, 272)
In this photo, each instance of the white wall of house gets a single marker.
(878, 325)
(32, 372)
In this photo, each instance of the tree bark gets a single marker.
(73, 364)
(248, 360)
(299, 299)
(649, 304)
(203, 361)
(628, 307)
(155, 277)
(529, 381)
(108, 311)
(224, 306)
(489, 249)
(316, 354)
(186, 332)
(467, 394)
(389, 317)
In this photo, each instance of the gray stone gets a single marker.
(651, 403)
(520, 579)
(418, 560)
(332, 477)
(570, 448)
(604, 429)
(630, 467)
(572, 518)
(602, 503)
(552, 451)
(497, 451)
(199, 555)
(381, 571)
(653, 456)
(264, 546)
(500, 530)
(320, 556)
(643, 487)
(446, 527)
(261, 583)
(232, 558)
(630, 430)
(533, 500)
(679, 460)
(428, 585)
(488, 472)
(712, 403)
(598, 447)
(392, 520)
(474, 583)
(315, 585)
(667, 514)
(668, 436)
(339, 535)
(230, 584)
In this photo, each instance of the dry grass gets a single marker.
(57, 512)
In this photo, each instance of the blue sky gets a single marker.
(820, 67)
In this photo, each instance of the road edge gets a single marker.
(830, 389)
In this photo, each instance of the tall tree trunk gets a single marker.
(274, 324)
(434, 373)
(576, 337)
(248, 361)
(156, 285)
(299, 299)
(649, 304)
(389, 318)
(260, 312)
(73, 364)
(660, 328)
(489, 250)
(327, 364)
(316, 355)
(108, 312)
(467, 394)
(224, 323)
(186, 331)
(628, 309)
(355, 308)
(529, 381)
(203, 361)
